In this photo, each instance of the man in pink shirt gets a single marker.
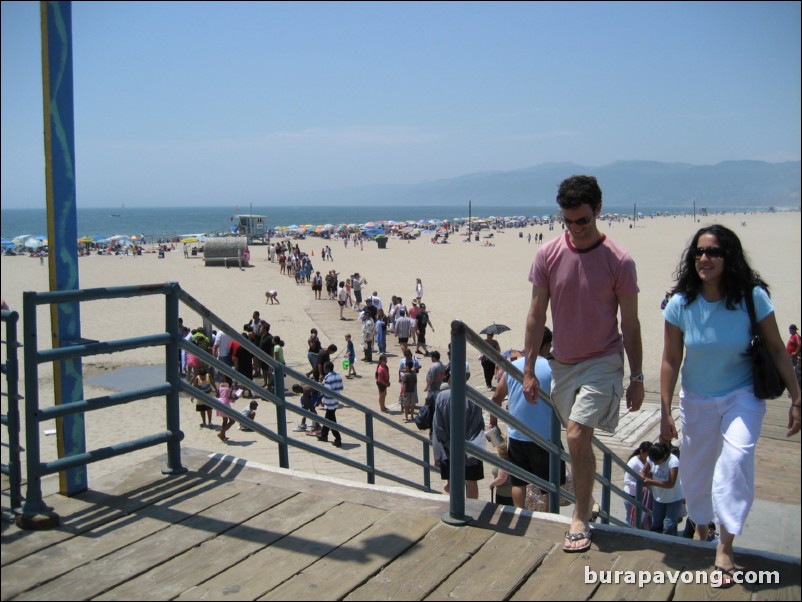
(586, 278)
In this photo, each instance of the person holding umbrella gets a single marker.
(488, 365)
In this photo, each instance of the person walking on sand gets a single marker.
(342, 298)
(422, 321)
(225, 395)
(587, 279)
(350, 352)
(333, 382)
(409, 391)
(382, 381)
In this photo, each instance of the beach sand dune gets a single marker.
(475, 282)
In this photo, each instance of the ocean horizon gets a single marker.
(167, 222)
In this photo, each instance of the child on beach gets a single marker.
(272, 296)
(350, 352)
(409, 392)
(225, 394)
(249, 412)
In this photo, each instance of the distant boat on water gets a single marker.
(118, 214)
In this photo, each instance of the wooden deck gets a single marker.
(223, 531)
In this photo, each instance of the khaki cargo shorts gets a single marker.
(589, 393)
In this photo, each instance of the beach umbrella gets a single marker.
(494, 329)
(86, 239)
(19, 240)
(189, 239)
(33, 243)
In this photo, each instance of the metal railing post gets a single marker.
(12, 417)
(456, 455)
(35, 513)
(607, 473)
(281, 418)
(173, 375)
(555, 463)
(370, 454)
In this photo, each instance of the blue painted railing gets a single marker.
(11, 419)
(36, 514)
(461, 336)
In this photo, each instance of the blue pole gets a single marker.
(456, 514)
(62, 228)
(173, 464)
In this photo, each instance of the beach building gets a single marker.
(253, 227)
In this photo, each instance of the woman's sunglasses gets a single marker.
(711, 252)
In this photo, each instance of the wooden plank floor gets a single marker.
(223, 531)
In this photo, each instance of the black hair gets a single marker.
(659, 452)
(579, 190)
(643, 447)
(738, 276)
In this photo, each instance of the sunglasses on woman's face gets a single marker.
(711, 252)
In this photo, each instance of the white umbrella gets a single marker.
(33, 243)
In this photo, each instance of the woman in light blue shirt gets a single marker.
(707, 320)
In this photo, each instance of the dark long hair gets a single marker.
(738, 276)
(642, 448)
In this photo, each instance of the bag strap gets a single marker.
(750, 308)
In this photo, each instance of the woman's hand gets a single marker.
(794, 424)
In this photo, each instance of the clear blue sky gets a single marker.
(206, 103)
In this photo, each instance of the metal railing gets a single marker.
(173, 343)
(461, 335)
(11, 419)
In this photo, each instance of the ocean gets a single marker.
(163, 222)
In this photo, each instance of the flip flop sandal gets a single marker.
(572, 537)
(725, 577)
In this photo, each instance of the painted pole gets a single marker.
(62, 226)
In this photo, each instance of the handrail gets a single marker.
(461, 335)
(35, 514)
(11, 420)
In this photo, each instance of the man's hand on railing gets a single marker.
(531, 388)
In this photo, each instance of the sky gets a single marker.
(207, 103)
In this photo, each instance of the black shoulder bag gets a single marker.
(766, 379)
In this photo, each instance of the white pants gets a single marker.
(717, 460)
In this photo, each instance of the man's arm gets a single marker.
(630, 329)
(535, 324)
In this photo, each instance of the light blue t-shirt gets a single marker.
(537, 416)
(716, 341)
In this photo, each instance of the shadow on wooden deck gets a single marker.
(228, 531)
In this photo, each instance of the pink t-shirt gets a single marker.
(584, 291)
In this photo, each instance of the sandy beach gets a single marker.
(474, 282)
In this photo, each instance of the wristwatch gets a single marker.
(636, 378)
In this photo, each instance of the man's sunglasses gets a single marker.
(582, 221)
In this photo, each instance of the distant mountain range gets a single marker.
(751, 184)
